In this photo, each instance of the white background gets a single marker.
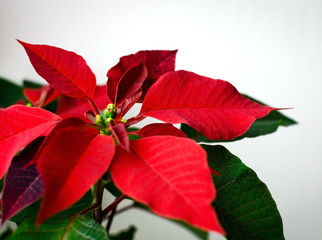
(269, 49)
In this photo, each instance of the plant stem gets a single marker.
(110, 220)
(93, 105)
(86, 210)
(125, 208)
(98, 189)
(113, 205)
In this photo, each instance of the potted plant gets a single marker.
(63, 144)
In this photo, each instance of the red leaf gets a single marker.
(171, 176)
(65, 71)
(157, 63)
(129, 102)
(69, 107)
(130, 83)
(212, 107)
(23, 186)
(134, 120)
(70, 163)
(67, 122)
(42, 96)
(160, 129)
(120, 133)
(20, 125)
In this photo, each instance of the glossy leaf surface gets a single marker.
(65, 228)
(20, 125)
(212, 107)
(171, 176)
(23, 185)
(244, 205)
(65, 71)
(160, 129)
(88, 155)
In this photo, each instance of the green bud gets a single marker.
(28, 104)
(110, 111)
(124, 120)
(108, 120)
(100, 121)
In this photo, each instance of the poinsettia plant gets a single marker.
(63, 145)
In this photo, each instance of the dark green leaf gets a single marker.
(52, 107)
(1, 184)
(68, 228)
(32, 210)
(26, 213)
(127, 234)
(244, 205)
(10, 93)
(110, 186)
(4, 235)
(30, 84)
(262, 126)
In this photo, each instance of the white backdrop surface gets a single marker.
(271, 50)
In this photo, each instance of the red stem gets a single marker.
(110, 220)
(113, 205)
(93, 105)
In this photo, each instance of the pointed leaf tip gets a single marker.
(87, 154)
(171, 176)
(21, 125)
(65, 71)
(211, 106)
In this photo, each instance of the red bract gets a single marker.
(213, 107)
(42, 96)
(62, 162)
(21, 125)
(76, 107)
(164, 170)
(170, 175)
(160, 129)
(156, 62)
(65, 71)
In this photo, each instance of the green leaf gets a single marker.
(262, 126)
(1, 184)
(30, 84)
(9, 93)
(85, 228)
(110, 186)
(32, 210)
(80, 228)
(5, 234)
(244, 205)
(127, 234)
